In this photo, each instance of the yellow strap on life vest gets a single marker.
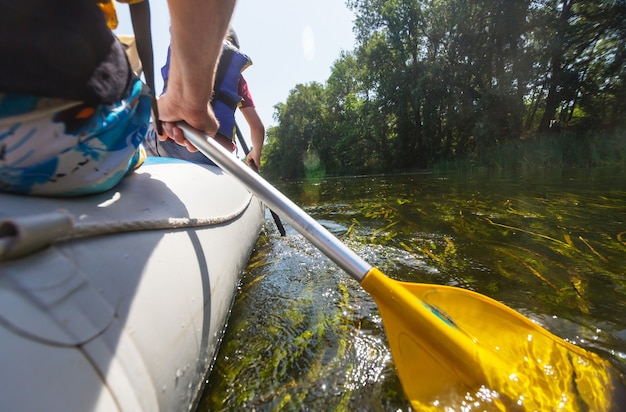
(108, 8)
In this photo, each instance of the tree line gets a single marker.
(434, 80)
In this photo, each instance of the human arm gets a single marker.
(257, 135)
(197, 30)
(257, 129)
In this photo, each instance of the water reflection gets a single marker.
(304, 336)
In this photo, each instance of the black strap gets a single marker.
(226, 99)
(222, 68)
(140, 17)
(246, 150)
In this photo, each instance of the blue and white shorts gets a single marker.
(66, 148)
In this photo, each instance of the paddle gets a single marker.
(449, 343)
(246, 150)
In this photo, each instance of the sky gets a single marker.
(289, 41)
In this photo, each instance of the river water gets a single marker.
(304, 336)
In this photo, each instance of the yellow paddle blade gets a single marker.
(454, 347)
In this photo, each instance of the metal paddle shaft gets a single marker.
(308, 227)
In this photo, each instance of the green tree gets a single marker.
(583, 42)
(300, 125)
(344, 102)
(437, 79)
(448, 71)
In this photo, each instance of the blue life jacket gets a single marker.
(226, 98)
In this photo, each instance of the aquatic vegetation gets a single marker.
(303, 336)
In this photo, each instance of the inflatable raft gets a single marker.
(118, 301)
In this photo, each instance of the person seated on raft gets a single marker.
(230, 91)
(72, 112)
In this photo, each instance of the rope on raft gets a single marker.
(27, 234)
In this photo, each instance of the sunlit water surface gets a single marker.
(304, 336)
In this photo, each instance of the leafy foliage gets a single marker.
(432, 81)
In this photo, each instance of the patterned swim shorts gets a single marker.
(64, 148)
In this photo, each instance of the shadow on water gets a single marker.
(305, 336)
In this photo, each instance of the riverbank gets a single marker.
(565, 149)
